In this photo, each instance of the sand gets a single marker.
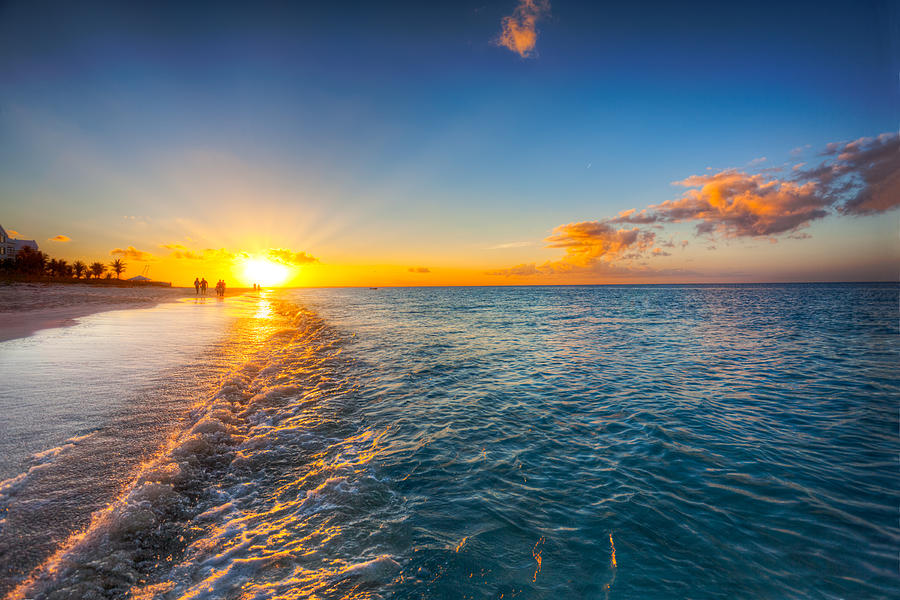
(27, 308)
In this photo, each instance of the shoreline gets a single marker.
(17, 325)
(26, 308)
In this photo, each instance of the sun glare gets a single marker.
(265, 272)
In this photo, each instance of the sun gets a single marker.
(265, 272)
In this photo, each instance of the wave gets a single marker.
(244, 493)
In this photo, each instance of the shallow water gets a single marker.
(553, 442)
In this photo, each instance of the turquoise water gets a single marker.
(548, 442)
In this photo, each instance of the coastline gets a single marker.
(85, 406)
(28, 308)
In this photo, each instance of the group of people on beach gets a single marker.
(201, 285)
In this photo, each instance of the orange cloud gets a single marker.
(289, 257)
(419, 270)
(182, 252)
(856, 178)
(860, 178)
(591, 246)
(519, 32)
(589, 241)
(60, 238)
(132, 253)
(13, 233)
(738, 204)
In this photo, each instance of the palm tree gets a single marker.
(52, 267)
(31, 261)
(79, 268)
(118, 267)
(97, 269)
(62, 268)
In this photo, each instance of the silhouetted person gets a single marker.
(196, 285)
(222, 288)
(203, 285)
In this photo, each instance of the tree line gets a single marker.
(29, 262)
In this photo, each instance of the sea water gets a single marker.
(545, 442)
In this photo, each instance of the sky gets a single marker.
(513, 142)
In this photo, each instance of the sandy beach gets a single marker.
(27, 308)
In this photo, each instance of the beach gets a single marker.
(628, 442)
(29, 307)
(84, 404)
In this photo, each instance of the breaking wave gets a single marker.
(251, 493)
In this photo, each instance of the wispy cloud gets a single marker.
(179, 251)
(132, 253)
(289, 257)
(565, 267)
(419, 270)
(519, 32)
(13, 232)
(281, 255)
(60, 238)
(510, 245)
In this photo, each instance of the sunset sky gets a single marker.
(419, 143)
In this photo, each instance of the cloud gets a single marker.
(289, 257)
(735, 204)
(564, 267)
(60, 238)
(182, 252)
(858, 178)
(132, 253)
(589, 241)
(521, 270)
(419, 270)
(281, 255)
(509, 245)
(13, 233)
(867, 173)
(591, 247)
(855, 178)
(519, 32)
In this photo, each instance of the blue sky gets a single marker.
(404, 127)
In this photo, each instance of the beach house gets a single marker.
(10, 246)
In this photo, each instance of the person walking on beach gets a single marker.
(203, 285)
(197, 285)
(222, 288)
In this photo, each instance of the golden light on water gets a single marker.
(265, 272)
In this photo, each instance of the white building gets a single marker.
(10, 246)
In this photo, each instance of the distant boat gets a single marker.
(373, 288)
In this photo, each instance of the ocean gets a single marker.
(714, 441)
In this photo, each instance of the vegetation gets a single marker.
(118, 267)
(97, 269)
(33, 265)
